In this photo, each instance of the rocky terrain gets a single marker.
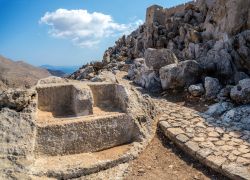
(19, 74)
(185, 73)
(183, 46)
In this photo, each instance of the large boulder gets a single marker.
(212, 87)
(218, 62)
(140, 74)
(241, 93)
(179, 75)
(157, 58)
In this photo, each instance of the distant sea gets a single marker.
(66, 69)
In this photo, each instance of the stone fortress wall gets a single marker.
(156, 13)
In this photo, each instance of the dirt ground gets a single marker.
(162, 160)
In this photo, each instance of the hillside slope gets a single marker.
(183, 46)
(19, 74)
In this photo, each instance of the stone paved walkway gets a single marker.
(222, 146)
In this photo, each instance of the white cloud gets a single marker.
(83, 28)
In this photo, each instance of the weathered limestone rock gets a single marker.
(218, 109)
(238, 115)
(241, 92)
(196, 90)
(179, 75)
(217, 61)
(143, 76)
(17, 133)
(226, 16)
(157, 58)
(16, 99)
(212, 87)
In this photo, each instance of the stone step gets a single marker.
(74, 135)
(76, 165)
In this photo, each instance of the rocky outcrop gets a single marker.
(215, 34)
(229, 16)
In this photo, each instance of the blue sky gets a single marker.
(67, 32)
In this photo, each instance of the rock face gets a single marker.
(157, 58)
(16, 99)
(179, 75)
(227, 16)
(241, 92)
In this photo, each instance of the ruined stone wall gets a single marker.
(154, 13)
(180, 8)
(158, 14)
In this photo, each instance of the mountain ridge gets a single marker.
(18, 74)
